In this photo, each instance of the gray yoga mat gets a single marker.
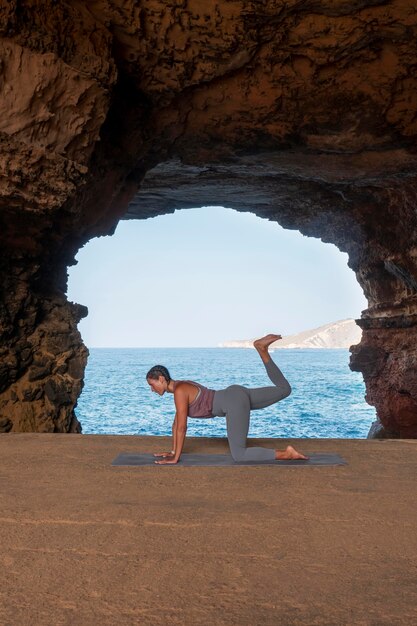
(203, 460)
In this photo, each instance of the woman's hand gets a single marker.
(167, 461)
(164, 454)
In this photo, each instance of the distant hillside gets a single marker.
(340, 334)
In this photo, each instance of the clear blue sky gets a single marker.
(199, 277)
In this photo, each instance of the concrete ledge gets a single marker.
(86, 543)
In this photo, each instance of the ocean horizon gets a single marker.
(327, 399)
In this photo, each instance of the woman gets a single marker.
(235, 402)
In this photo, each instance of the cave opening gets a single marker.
(180, 288)
(305, 116)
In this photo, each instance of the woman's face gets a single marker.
(158, 385)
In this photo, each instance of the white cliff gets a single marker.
(340, 334)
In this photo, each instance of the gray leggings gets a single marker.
(235, 402)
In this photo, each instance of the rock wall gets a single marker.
(42, 358)
(304, 113)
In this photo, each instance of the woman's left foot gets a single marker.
(264, 342)
(290, 453)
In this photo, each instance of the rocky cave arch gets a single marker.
(303, 113)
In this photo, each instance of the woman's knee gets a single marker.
(238, 454)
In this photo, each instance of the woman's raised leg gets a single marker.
(262, 397)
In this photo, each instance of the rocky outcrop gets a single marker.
(335, 335)
(42, 359)
(304, 113)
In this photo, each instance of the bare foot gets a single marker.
(290, 453)
(262, 345)
(264, 342)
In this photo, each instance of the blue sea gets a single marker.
(327, 398)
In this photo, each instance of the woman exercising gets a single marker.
(235, 402)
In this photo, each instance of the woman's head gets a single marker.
(158, 378)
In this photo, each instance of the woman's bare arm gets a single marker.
(174, 434)
(181, 417)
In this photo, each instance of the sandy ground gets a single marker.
(86, 543)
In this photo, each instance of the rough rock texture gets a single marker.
(303, 112)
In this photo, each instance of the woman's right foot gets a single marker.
(290, 453)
